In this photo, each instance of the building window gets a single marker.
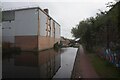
(8, 16)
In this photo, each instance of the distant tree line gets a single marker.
(100, 31)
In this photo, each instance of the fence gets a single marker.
(111, 56)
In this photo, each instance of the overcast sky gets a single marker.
(68, 13)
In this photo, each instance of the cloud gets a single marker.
(56, 0)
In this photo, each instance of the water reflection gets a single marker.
(67, 61)
(31, 65)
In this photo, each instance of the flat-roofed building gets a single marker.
(29, 29)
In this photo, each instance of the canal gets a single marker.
(44, 64)
(0, 68)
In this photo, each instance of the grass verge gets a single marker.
(103, 68)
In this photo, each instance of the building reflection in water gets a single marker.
(31, 65)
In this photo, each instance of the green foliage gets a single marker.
(57, 46)
(75, 32)
(101, 30)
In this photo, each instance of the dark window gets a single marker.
(8, 15)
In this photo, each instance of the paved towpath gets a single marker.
(82, 66)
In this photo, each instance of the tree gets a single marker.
(101, 30)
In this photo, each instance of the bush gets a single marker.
(57, 46)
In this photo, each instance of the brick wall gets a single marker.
(27, 42)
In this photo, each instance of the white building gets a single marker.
(29, 29)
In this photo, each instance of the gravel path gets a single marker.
(82, 66)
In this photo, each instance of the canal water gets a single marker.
(0, 62)
(67, 61)
(44, 64)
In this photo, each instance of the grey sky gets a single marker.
(67, 13)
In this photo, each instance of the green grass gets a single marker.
(103, 68)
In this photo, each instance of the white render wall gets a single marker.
(26, 22)
(52, 29)
(43, 23)
(43, 26)
(8, 31)
(57, 31)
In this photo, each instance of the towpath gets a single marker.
(82, 66)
